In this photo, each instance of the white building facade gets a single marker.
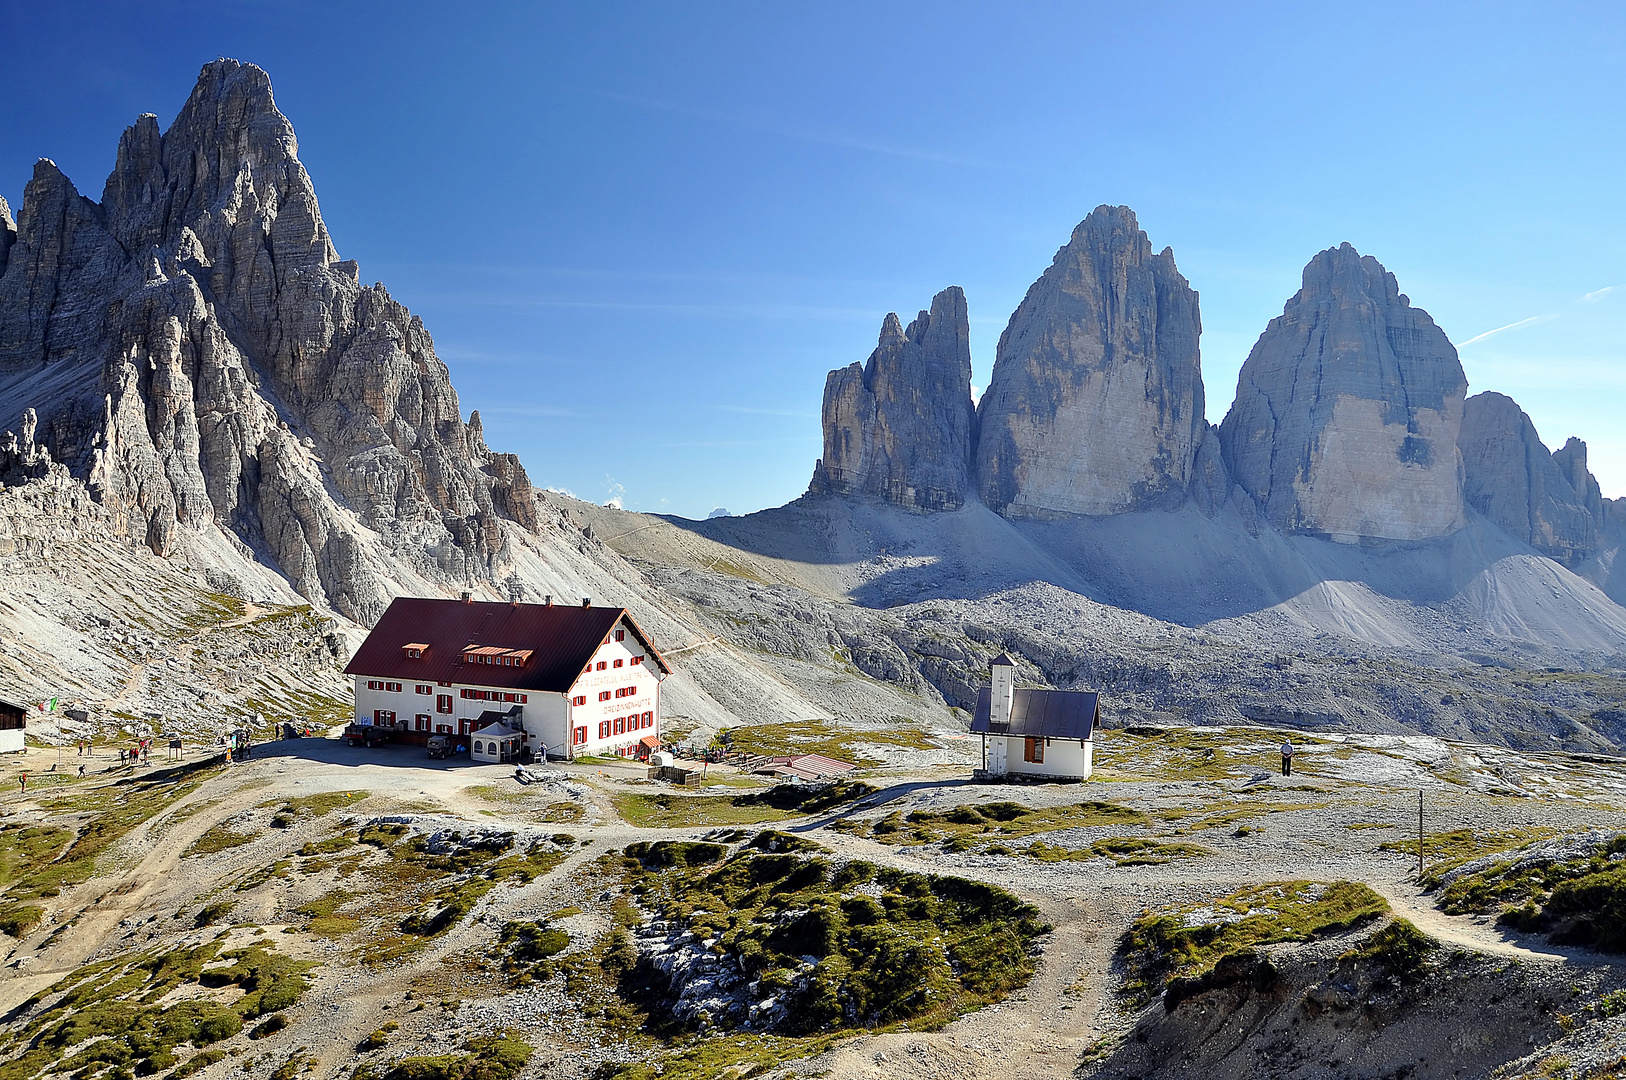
(1034, 734)
(533, 665)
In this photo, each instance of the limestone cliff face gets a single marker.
(199, 352)
(898, 427)
(1095, 405)
(8, 233)
(1571, 461)
(1509, 477)
(1348, 409)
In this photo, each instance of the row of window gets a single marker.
(605, 665)
(392, 687)
(621, 725)
(606, 695)
(492, 695)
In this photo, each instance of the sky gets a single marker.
(641, 235)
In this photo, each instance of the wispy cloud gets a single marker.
(1531, 321)
(1594, 297)
(617, 494)
(800, 134)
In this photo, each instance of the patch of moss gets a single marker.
(1448, 850)
(986, 821)
(1399, 948)
(1574, 901)
(665, 810)
(1122, 850)
(492, 1057)
(1160, 947)
(1223, 812)
(888, 947)
(105, 1015)
(822, 737)
(217, 839)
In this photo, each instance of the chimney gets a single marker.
(1002, 692)
(587, 601)
(547, 601)
(467, 596)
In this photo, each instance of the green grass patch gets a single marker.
(888, 948)
(104, 1016)
(964, 826)
(1123, 850)
(822, 737)
(39, 861)
(1448, 850)
(489, 1057)
(322, 915)
(667, 810)
(1160, 947)
(1573, 901)
(443, 887)
(1226, 812)
(324, 802)
(1399, 948)
(217, 839)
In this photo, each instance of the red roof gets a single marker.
(561, 639)
(805, 766)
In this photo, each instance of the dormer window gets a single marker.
(414, 649)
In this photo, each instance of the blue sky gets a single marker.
(641, 235)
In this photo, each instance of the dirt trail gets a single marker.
(1472, 932)
(142, 864)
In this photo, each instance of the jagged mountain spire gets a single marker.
(1347, 410)
(898, 428)
(1096, 401)
(201, 355)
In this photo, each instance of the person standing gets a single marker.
(23, 779)
(1287, 757)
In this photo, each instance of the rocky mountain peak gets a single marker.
(1096, 403)
(1571, 461)
(201, 357)
(1510, 478)
(898, 428)
(1348, 409)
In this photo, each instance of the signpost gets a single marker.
(1419, 836)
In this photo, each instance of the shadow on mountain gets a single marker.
(1184, 567)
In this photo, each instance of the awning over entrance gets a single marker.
(650, 741)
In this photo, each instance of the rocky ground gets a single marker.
(303, 847)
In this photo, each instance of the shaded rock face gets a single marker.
(198, 352)
(1347, 410)
(1571, 461)
(1509, 477)
(898, 427)
(1095, 405)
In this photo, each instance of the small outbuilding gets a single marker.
(1034, 734)
(496, 743)
(13, 727)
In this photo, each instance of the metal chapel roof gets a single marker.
(1049, 714)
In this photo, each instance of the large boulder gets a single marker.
(1096, 401)
(1509, 477)
(898, 427)
(1347, 410)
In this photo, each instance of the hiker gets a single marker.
(81, 770)
(121, 755)
(1287, 757)
(23, 779)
